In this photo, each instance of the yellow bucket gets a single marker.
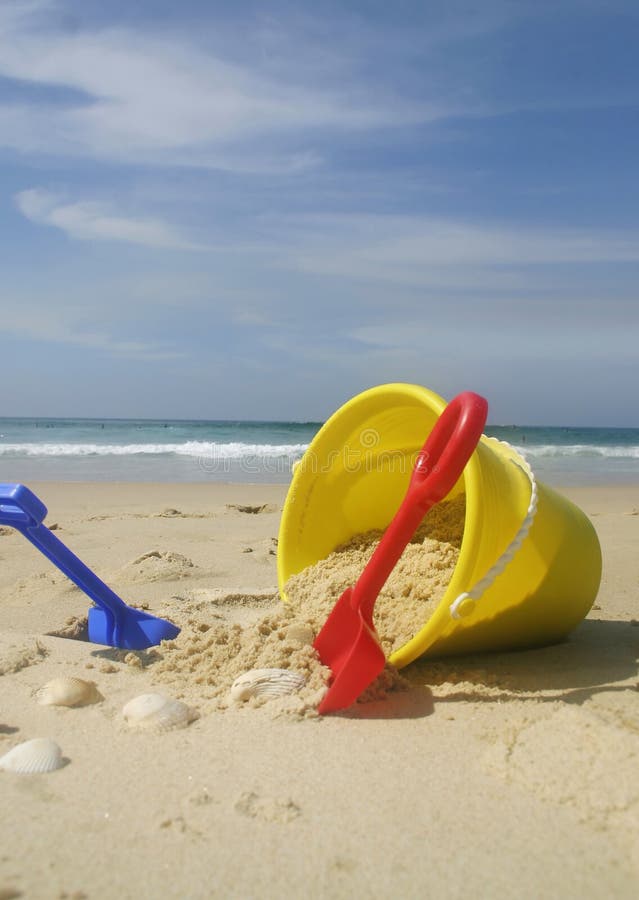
(352, 479)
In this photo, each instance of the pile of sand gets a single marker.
(210, 653)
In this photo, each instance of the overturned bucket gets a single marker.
(529, 565)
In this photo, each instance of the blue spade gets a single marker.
(111, 622)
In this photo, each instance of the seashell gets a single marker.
(68, 691)
(266, 683)
(33, 757)
(158, 712)
(300, 632)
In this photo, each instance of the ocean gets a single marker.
(205, 451)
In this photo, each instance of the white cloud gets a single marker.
(420, 251)
(43, 322)
(250, 318)
(571, 339)
(146, 98)
(89, 221)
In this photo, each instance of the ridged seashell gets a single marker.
(33, 757)
(300, 632)
(68, 691)
(266, 683)
(158, 712)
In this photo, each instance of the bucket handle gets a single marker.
(465, 603)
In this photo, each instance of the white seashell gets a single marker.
(33, 757)
(157, 711)
(266, 683)
(68, 691)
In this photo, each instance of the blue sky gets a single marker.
(256, 210)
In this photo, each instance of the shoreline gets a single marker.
(532, 752)
(613, 495)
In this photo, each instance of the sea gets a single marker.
(131, 450)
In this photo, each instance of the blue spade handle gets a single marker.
(22, 510)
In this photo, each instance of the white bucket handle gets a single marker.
(465, 603)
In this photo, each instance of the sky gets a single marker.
(256, 210)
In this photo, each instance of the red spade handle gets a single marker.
(448, 448)
(439, 464)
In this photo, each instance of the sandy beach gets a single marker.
(498, 775)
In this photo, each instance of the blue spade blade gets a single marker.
(111, 622)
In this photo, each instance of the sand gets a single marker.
(413, 589)
(503, 775)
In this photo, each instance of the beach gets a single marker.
(287, 288)
(496, 775)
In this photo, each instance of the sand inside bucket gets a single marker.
(414, 588)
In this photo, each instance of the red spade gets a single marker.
(348, 643)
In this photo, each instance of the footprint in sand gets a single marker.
(36, 582)
(574, 758)
(157, 565)
(199, 609)
(264, 550)
(210, 598)
(252, 510)
(16, 657)
(267, 809)
(170, 513)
